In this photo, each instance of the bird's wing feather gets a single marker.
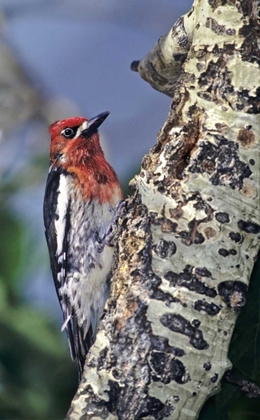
(57, 208)
(56, 221)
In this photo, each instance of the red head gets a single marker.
(75, 139)
(75, 147)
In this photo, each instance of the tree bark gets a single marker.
(189, 236)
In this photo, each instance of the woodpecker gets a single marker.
(82, 192)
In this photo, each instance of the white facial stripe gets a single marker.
(81, 128)
(62, 207)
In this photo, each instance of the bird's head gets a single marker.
(75, 138)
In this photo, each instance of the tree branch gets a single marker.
(189, 236)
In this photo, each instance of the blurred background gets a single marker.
(61, 58)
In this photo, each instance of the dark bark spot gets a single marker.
(222, 217)
(102, 358)
(146, 162)
(136, 273)
(223, 252)
(182, 39)
(162, 344)
(207, 366)
(193, 109)
(192, 236)
(236, 237)
(113, 395)
(222, 128)
(244, 99)
(115, 373)
(205, 95)
(215, 26)
(233, 293)
(248, 226)
(252, 162)
(156, 293)
(209, 308)
(179, 324)
(207, 77)
(246, 138)
(178, 372)
(233, 252)
(153, 406)
(245, 31)
(201, 204)
(209, 232)
(230, 31)
(91, 266)
(227, 168)
(214, 378)
(160, 186)
(159, 361)
(180, 57)
(167, 226)
(190, 281)
(153, 215)
(176, 213)
(208, 166)
(191, 11)
(181, 156)
(166, 368)
(203, 272)
(196, 323)
(165, 249)
(229, 50)
(216, 3)
(246, 7)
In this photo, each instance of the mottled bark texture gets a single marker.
(189, 236)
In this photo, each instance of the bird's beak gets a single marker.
(93, 124)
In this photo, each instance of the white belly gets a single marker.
(89, 261)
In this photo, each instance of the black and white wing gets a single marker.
(56, 211)
(57, 221)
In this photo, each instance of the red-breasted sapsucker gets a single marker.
(81, 194)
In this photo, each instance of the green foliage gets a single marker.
(10, 251)
(244, 353)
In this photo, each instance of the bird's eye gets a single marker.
(68, 132)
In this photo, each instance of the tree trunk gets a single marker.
(189, 236)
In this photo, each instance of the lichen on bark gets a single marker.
(189, 236)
